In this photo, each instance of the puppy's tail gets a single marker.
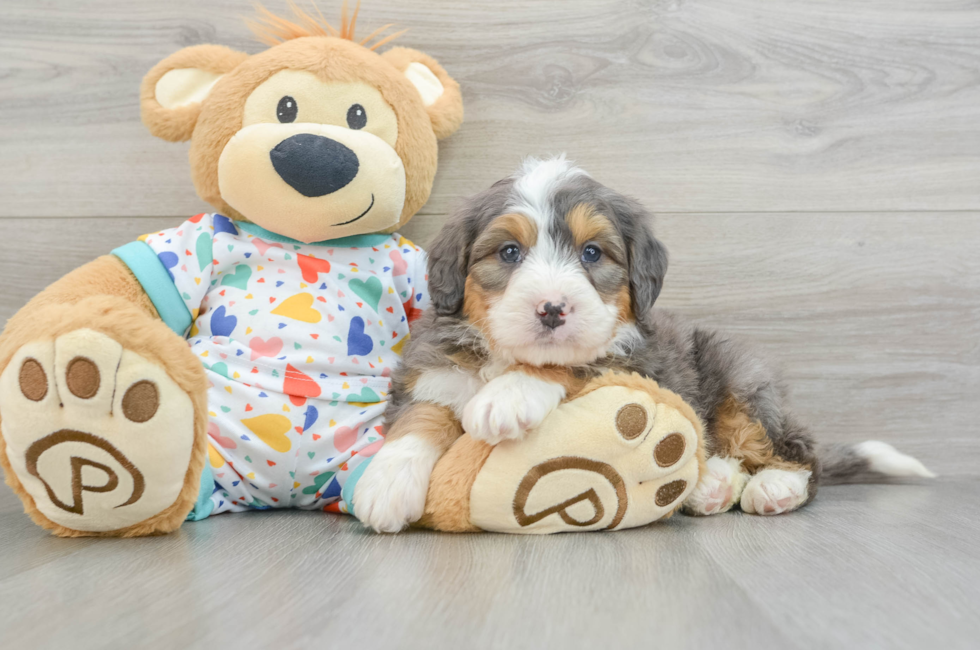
(871, 461)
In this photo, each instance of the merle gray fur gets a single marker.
(704, 367)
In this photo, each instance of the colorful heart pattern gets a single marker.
(312, 267)
(238, 279)
(369, 290)
(299, 341)
(222, 324)
(267, 348)
(358, 343)
(271, 429)
(299, 307)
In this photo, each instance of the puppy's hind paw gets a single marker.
(719, 489)
(775, 491)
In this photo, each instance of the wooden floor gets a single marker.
(815, 170)
(861, 567)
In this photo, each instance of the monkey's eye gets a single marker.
(510, 253)
(591, 253)
(286, 110)
(356, 117)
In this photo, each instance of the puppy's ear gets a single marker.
(647, 256)
(172, 92)
(448, 263)
(439, 92)
(449, 255)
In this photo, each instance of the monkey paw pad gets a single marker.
(614, 458)
(99, 437)
(719, 489)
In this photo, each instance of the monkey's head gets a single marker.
(316, 138)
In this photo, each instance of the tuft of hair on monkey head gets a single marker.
(318, 137)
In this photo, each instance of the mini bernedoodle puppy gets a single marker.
(548, 279)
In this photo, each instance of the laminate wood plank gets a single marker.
(713, 106)
(862, 566)
(874, 318)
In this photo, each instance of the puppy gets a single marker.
(546, 280)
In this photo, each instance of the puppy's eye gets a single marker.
(591, 253)
(510, 253)
(356, 117)
(286, 110)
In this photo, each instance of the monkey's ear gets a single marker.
(172, 92)
(440, 92)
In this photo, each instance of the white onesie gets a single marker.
(298, 340)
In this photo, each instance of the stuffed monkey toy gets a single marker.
(239, 360)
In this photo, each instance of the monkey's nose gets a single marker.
(550, 314)
(314, 165)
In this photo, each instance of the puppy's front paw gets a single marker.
(391, 493)
(509, 405)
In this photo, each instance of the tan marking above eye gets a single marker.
(33, 380)
(668, 492)
(520, 227)
(588, 225)
(669, 450)
(82, 378)
(511, 227)
(585, 223)
(141, 401)
(631, 421)
(321, 102)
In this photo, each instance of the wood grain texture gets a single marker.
(875, 318)
(815, 166)
(861, 567)
(716, 105)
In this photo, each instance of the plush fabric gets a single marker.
(622, 454)
(102, 466)
(298, 342)
(103, 296)
(446, 111)
(372, 124)
(330, 59)
(176, 123)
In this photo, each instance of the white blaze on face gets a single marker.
(551, 273)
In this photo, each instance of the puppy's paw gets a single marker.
(719, 489)
(775, 491)
(509, 405)
(391, 493)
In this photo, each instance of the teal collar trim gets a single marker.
(155, 279)
(354, 241)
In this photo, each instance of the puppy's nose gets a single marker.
(314, 165)
(550, 314)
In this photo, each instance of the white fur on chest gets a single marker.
(455, 387)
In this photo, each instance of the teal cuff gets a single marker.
(347, 493)
(157, 283)
(204, 506)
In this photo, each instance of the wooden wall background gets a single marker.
(814, 164)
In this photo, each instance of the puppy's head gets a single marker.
(549, 264)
